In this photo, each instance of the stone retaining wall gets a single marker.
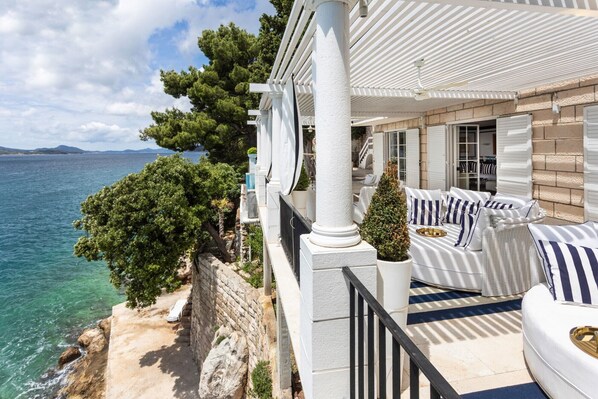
(222, 297)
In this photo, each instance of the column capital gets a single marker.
(314, 4)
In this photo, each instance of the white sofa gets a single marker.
(559, 367)
(500, 268)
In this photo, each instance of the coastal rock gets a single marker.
(92, 340)
(68, 356)
(220, 334)
(105, 325)
(224, 372)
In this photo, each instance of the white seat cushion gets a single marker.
(560, 368)
(470, 195)
(438, 262)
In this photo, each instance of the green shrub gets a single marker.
(251, 150)
(262, 381)
(255, 239)
(385, 223)
(303, 183)
(220, 339)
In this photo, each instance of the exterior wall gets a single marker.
(557, 139)
(222, 297)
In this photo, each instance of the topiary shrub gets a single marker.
(262, 381)
(303, 183)
(385, 223)
(251, 150)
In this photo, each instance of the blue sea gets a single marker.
(47, 295)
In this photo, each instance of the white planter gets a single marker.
(299, 199)
(393, 283)
(310, 207)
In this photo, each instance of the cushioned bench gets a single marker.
(561, 369)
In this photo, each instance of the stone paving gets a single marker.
(149, 357)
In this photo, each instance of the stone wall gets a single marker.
(557, 139)
(222, 297)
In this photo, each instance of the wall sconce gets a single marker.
(363, 8)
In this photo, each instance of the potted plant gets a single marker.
(252, 155)
(385, 228)
(299, 194)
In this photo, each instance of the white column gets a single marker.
(334, 241)
(273, 201)
(334, 225)
(263, 157)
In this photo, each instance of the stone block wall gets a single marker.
(222, 297)
(557, 139)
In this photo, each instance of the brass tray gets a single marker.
(431, 232)
(586, 339)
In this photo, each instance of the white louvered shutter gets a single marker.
(437, 157)
(378, 164)
(514, 155)
(590, 162)
(412, 158)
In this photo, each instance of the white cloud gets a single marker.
(68, 62)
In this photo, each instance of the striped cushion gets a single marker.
(425, 212)
(574, 271)
(497, 205)
(576, 234)
(456, 207)
(468, 222)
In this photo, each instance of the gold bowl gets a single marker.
(432, 232)
(586, 339)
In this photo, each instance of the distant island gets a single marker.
(65, 149)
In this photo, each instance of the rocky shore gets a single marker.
(87, 361)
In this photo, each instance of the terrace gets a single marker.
(353, 62)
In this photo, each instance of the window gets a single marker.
(397, 151)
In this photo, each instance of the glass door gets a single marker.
(468, 158)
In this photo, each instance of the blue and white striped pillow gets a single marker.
(497, 205)
(468, 223)
(576, 234)
(574, 271)
(425, 212)
(456, 207)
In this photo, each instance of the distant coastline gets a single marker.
(65, 150)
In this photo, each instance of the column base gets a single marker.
(334, 237)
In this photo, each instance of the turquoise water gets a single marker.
(46, 294)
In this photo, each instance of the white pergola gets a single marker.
(346, 67)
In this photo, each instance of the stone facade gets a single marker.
(223, 298)
(557, 139)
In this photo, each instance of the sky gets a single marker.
(86, 72)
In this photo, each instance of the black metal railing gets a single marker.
(439, 387)
(292, 226)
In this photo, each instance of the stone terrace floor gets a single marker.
(474, 341)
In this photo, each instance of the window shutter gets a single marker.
(437, 157)
(412, 155)
(590, 162)
(514, 155)
(378, 164)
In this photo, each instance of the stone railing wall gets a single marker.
(223, 298)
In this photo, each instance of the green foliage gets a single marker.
(357, 132)
(385, 223)
(251, 151)
(262, 381)
(255, 239)
(144, 223)
(255, 272)
(303, 183)
(220, 339)
(219, 93)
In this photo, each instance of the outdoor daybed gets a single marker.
(500, 264)
(559, 367)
